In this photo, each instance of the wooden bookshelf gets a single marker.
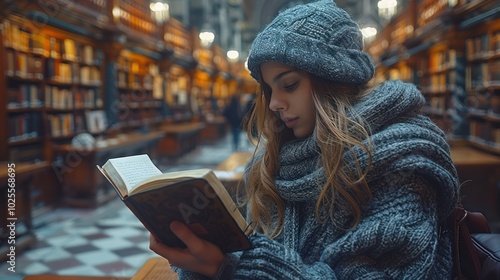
(209, 92)
(442, 84)
(482, 77)
(224, 85)
(134, 19)
(245, 82)
(52, 79)
(387, 49)
(217, 85)
(139, 91)
(73, 89)
(178, 97)
(454, 57)
(178, 94)
(21, 108)
(425, 46)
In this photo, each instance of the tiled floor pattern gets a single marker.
(108, 240)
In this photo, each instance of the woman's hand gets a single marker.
(199, 256)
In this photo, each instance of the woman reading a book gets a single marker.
(349, 181)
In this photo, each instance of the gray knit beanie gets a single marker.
(319, 38)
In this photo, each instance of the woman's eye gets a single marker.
(291, 86)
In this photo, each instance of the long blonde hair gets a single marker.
(336, 133)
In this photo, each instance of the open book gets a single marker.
(195, 197)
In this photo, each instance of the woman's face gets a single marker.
(291, 96)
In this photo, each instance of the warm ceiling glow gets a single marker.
(387, 4)
(233, 54)
(158, 6)
(206, 38)
(369, 31)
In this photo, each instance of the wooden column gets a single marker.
(112, 49)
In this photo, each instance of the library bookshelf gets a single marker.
(180, 93)
(452, 53)
(483, 84)
(52, 82)
(139, 91)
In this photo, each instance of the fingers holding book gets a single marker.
(199, 256)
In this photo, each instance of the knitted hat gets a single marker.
(319, 38)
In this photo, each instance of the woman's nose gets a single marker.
(277, 103)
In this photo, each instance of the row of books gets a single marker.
(18, 37)
(205, 58)
(439, 83)
(24, 96)
(74, 73)
(32, 96)
(485, 133)
(65, 124)
(25, 66)
(478, 103)
(68, 124)
(437, 105)
(24, 126)
(483, 74)
(93, 5)
(443, 60)
(135, 19)
(135, 81)
(126, 64)
(402, 73)
(65, 98)
(177, 38)
(429, 10)
(30, 66)
(482, 46)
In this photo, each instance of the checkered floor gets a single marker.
(108, 240)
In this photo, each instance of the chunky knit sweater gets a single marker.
(414, 187)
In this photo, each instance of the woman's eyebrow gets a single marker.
(279, 76)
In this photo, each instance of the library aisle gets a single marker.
(106, 241)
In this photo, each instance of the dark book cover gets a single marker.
(193, 202)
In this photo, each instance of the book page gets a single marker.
(134, 169)
(167, 178)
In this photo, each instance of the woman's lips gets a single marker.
(290, 122)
